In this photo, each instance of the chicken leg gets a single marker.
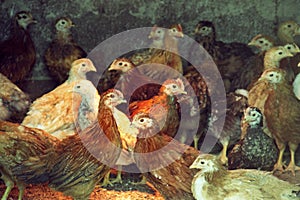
(8, 183)
(292, 167)
(279, 166)
(223, 155)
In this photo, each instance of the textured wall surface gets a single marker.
(97, 20)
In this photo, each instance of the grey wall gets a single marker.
(97, 20)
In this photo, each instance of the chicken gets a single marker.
(134, 85)
(256, 150)
(287, 31)
(262, 42)
(85, 158)
(14, 103)
(17, 53)
(162, 160)
(229, 57)
(128, 133)
(231, 132)
(162, 107)
(157, 36)
(54, 111)
(27, 156)
(62, 51)
(88, 108)
(167, 56)
(274, 96)
(254, 65)
(214, 182)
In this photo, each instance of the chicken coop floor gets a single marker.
(124, 191)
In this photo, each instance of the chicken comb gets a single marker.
(267, 37)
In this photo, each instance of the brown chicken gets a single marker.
(14, 103)
(54, 111)
(167, 56)
(134, 85)
(162, 160)
(27, 156)
(214, 182)
(229, 57)
(62, 51)
(255, 64)
(85, 158)
(287, 31)
(157, 36)
(17, 53)
(274, 96)
(162, 107)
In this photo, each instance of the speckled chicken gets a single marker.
(54, 111)
(162, 160)
(274, 96)
(229, 57)
(231, 131)
(85, 158)
(62, 51)
(17, 53)
(27, 156)
(14, 103)
(162, 107)
(256, 150)
(214, 182)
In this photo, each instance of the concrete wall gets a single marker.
(97, 20)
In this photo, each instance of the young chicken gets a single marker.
(54, 111)
(287, 31)
(88, 108)
(162, 160)
(229, 57)
(27, 156)
(254, 65)
(167, 56)
(290, 64)
(231, 132)
(14, 103)
(86, 158)
(274, 96)
(62, 51)
(157, 36)
(162, 107)
(134, 85)
(17, 53)
(214, 182)
(256, 150)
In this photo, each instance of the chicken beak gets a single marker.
(297, 30)
(251, 43)
(34, 21)
(298, 64)
(123, 101)
(289, 54)
(193, 166)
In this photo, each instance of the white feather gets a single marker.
(296, 86)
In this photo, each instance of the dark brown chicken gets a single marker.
(26, 156)
(62, 51)
(86, 157)
(17, 53)
(162, 160)
(229, 57)
(14, 103)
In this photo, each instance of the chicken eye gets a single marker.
(120, 63)
(112, 96)
(125, 65)
(83, 65)
(280, 53)
(24, 17)
(260, 41)
(288, 47)
(78, 86)
(289, 26)
(202, 162)
(142, 120)
(63, 22)
(174, 86)
(158, 31)
(271, 75)
(253, 115)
